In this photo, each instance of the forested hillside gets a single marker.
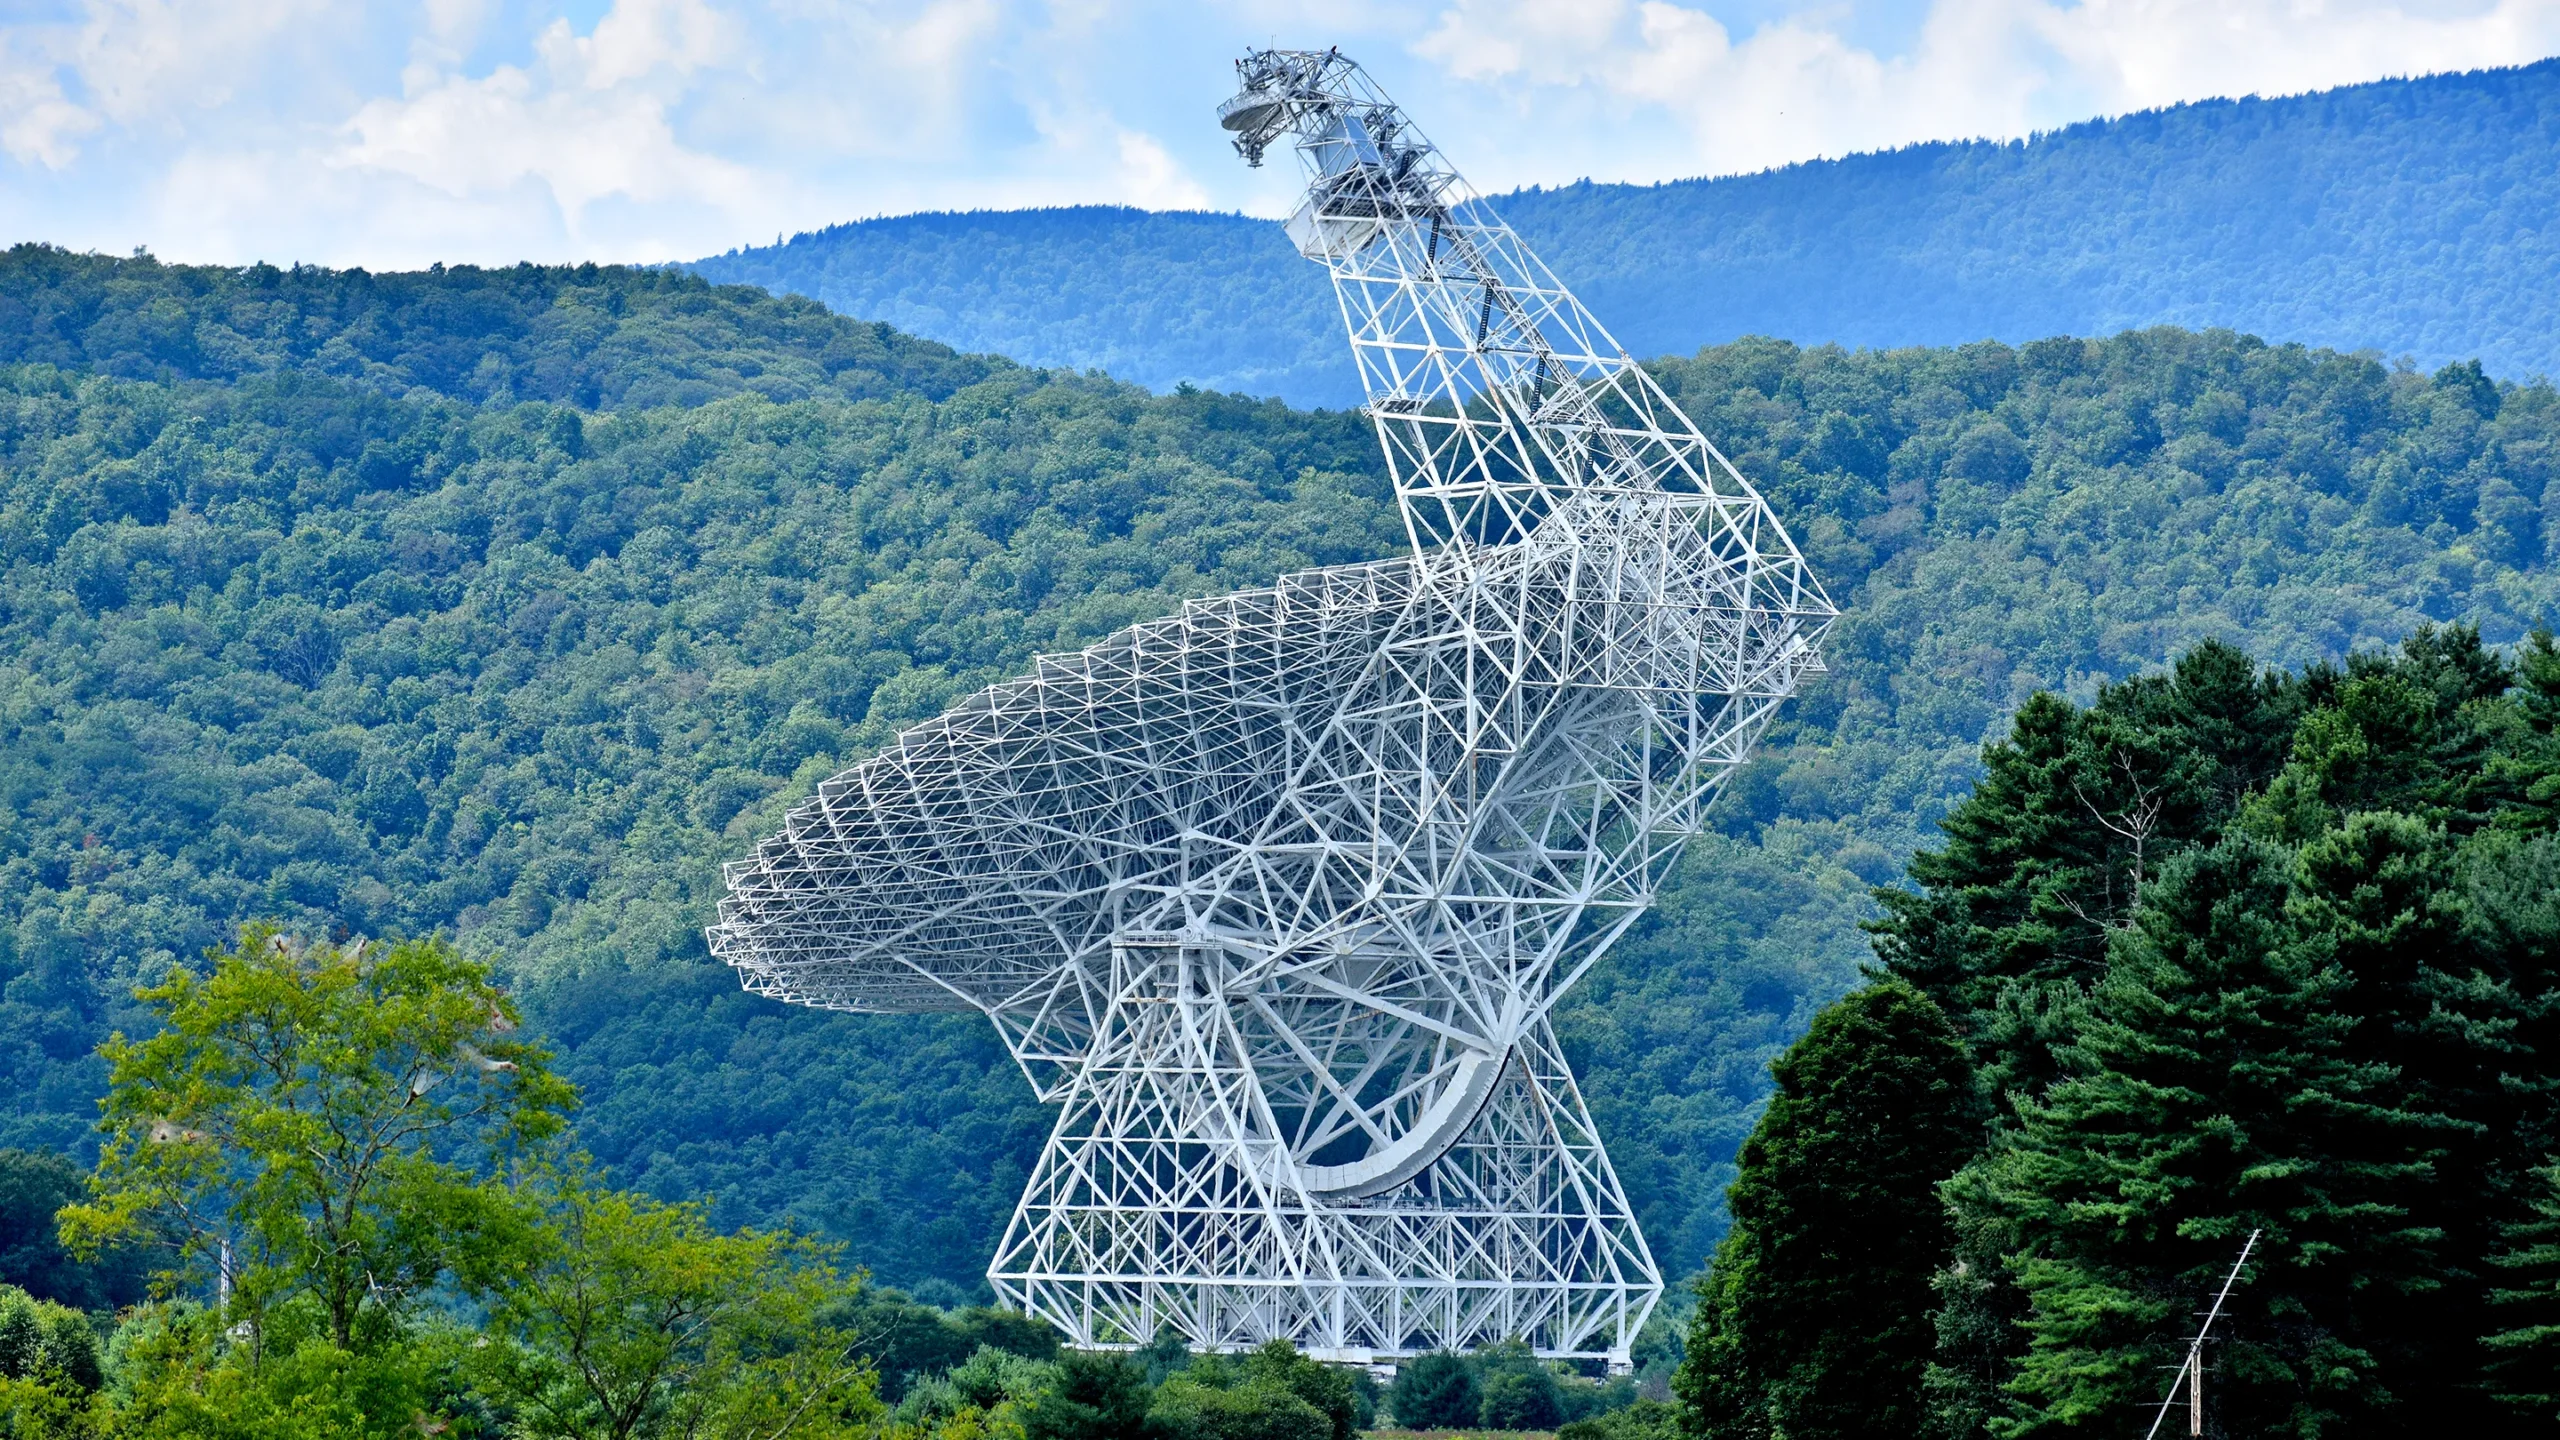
(2407, 217)
(344, 599)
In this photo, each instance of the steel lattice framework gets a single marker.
(1273, 897)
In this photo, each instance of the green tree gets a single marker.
(1095, 1396)
(2212, 1090)
(1167, 1354)
(2076, 811)
(1522, 1398)
(2411, 732)
(36, 1410)
(1277, 1365)
(1979, 1339)
(1272, 1393)
(1008, 1330)
(986, 1393)
(22, 1337)
(2383, 895)
(1435, 1391)
(178, 1373)
(321, 1122)
(49, 1343)
(2524, 1370)
(630, 1319)
(1517, 1390)
(907, 1342)
(33, 1188)
(1643, 1420)
(1815, 1320)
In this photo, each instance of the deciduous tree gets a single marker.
(320, 1121)
(1815, 1320)
(1435, 1391)
(631, 1319)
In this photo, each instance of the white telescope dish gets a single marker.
(1274, 897)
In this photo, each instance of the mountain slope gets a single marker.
(2408, 216)
(350, 650)
(572, 335)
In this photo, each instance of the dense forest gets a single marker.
(375, 605)
(2406, 216)
(2226, 963)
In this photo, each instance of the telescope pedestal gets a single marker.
(1166, 1197)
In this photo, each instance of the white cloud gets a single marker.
(1150, 177)
(589, 119)
(2153, 52)
(153, 61)
(38, 123)
(1795, 88)
(493, 130)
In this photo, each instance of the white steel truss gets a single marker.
(1273, 898)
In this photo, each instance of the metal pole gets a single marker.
(2191, 1373)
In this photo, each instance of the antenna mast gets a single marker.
(2191, 1373)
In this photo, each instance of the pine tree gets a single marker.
(1816, 1319)
(2048, 856)
(2399, 909)
(2524, 774)
(2524, 1370)
(2382, 894)
(2211, 1089)
(2511, 894)
(1965, 1387)
(2414, 732)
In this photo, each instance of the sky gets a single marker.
(393, 135)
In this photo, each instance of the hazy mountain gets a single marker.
(2407, 217)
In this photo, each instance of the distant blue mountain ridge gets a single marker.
(2410, 217)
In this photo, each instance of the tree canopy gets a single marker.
(1817, 1319)
(310, 1123)
(2231, 953)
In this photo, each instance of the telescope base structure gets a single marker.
(1165, 1198)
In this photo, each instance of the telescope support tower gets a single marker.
(1274, 898)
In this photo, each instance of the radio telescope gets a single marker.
(1273, 898)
